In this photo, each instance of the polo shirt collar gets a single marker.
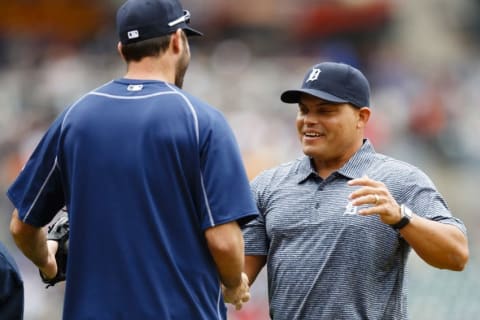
(354, 168)
(359, 162)
(306, 169)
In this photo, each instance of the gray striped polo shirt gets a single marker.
(324, 261)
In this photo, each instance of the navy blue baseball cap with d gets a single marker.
(334, 82)
(139, 20)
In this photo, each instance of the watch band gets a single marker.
(406, 216)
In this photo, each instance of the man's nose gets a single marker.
(310, 119)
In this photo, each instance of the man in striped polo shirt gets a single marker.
(336, 226)
(154, 185)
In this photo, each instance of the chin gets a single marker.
(309, 151)
(316, 152)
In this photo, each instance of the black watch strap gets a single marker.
(406, 217)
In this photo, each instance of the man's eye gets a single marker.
(327, 111)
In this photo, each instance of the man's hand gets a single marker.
(49, 270)
(238, 295)
(56, 268)
(378, 197)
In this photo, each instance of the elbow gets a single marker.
(225, 246)
(19, 230)
(459, 253)
(225, 239)
(15, 228)
(460, 259)
(455, 261)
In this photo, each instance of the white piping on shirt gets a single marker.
(197, 132)
(41, 189)
(194, 115)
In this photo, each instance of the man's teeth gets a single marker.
(312, 134)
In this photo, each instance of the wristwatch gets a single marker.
(406, 214)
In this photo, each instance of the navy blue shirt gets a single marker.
(144, 169)
(11, 287)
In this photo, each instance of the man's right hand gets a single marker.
(238, 295)
(49, 270)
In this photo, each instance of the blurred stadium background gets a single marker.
(422, 59)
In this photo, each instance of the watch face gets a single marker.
(407, 215)
(407, 212)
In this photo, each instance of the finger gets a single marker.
(246, 297)
(369, 199)
(50, 270)
(245, 279)
(364, 181)
(370, 211)
(52, 246)
(364, 191)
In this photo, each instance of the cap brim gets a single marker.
(190, 32)
(293, 96)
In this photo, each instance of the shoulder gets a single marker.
(278, 175)
(203, 111)
(198, 103)
(280, 184)
(394, 171)
(396, 165)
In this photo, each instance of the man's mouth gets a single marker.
(312, 134)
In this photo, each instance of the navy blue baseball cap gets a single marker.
(334, 82)
(139, 20)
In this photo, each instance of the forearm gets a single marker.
(440, 245)
(253, 265)
(230, 266)
(225, 243)
(30, 240)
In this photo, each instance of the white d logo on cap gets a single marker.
(313, 75)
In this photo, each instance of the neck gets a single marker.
(151, 68)
(325, 167)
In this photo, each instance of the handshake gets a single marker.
(238, 295)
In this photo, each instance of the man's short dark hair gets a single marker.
(147, 48)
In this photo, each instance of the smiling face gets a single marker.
(330, 133)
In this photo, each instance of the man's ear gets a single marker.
(363, 117)
(119, 49)
(176, 43)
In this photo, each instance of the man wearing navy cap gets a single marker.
(153, 182)
(336, 225)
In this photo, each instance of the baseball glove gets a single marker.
(59, 231)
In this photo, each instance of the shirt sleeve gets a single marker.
(423, 198)
(225, 183)
(37, 192)
(255, 232)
